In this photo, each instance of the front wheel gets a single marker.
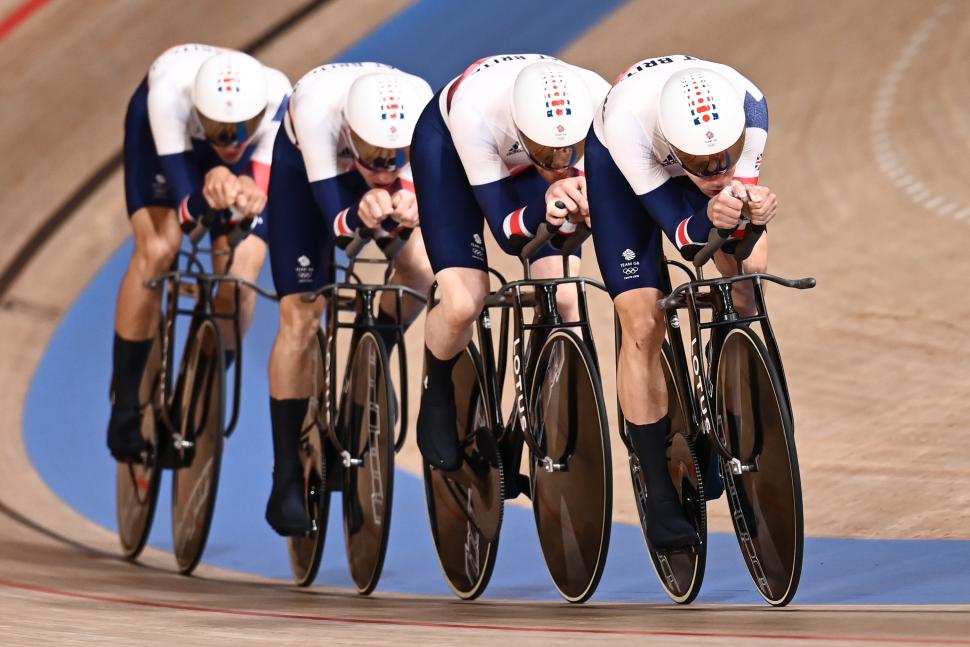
(766, 497)
(199, 445)
(366, 426)
(465, 507)
(137, 484)
(573, 506)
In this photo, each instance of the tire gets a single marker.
(465, 507)
(573, 508)
(681, 572)
(137, 484)
(766, 504)
(367, 430)
(306, 552)
(201, 419)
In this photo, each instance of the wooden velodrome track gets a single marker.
(869, 137)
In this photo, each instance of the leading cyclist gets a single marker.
(497, 143)
(199, 134)
(340, 162)
(676, 148)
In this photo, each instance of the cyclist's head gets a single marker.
(702, 118)
(378, 121)
(552, 110)
(230, 96)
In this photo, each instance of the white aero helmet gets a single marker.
(552, 110)
(702, 118)
(230, 96)
(380, 112)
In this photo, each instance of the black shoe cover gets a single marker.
(124, 434)
(286, 509)
(437, 430)
(667, 525)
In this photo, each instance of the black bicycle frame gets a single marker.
(719, 299)
(193, 281)
(361, 303)
(524, 355)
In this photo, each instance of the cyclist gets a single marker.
(498, 143)
(198, 137)
(676, 148)
(341, 161)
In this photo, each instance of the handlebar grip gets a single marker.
(543, 236)
(715, 240)
(751, 237)
(202, 226)
(360, 239)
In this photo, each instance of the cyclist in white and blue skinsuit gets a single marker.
(199, 132)
(341, 161)
(675, 149)
(497, 144)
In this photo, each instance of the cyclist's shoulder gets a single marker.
(178, 65)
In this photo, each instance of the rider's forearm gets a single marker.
(341, 212)
(684, 228)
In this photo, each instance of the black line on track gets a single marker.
(59, 217)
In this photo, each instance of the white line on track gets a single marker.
(880, 138)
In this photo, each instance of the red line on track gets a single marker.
(450, 625)
(13, 19)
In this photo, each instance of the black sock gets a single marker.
(128, 364)
(287, 419)
(650, 444)
(438, 372)
(387, 330)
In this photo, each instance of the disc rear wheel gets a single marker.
(680, 571)
(766, 502)
(137, 484)
(306, 552)
(465, 507)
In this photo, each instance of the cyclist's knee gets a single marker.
(461, 294)
(642, 323)
(645, 332)
(299, 321)
(460, 309)
(155, 253)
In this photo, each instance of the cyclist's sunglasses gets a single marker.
(711, 165)
(375, 158)
(230, 135)
(553, 158)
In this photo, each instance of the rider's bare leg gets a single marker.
(639, 381)
(448, 329)
(157, 238)
(642, 391)
(291, 369)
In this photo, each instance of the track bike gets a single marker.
(184, 404)
(348, 439)
(732, 427)
(558, 413)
